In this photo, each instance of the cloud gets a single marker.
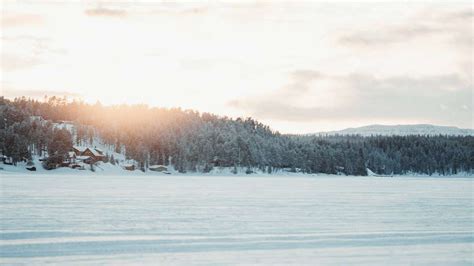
(465, 15)
(30, 38)
(306, 75)
(106, 12)
(18, 20)
(37, 94)
(35, 45)
(277, 104)
(389, 35)
(278, 110)
(11, 62)
(457, 24)
(300, 83)
(34, 51)
(121, 10)
(444, 99)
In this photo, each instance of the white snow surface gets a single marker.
(403, 130)
(89, 219)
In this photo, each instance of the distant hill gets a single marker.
(402, 130)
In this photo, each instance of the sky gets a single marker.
(299, 66)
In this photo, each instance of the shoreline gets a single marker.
(223, 172)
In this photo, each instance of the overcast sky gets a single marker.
(298, 66)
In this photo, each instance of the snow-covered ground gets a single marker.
(107, 169)
(168, 219)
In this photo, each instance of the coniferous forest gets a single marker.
(192, 141)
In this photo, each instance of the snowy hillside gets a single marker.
(403, 130)
(53, 135)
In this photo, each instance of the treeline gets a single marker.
(21, 136)
(191, 141)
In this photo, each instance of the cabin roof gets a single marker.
(95, 152)
(80, 148)
(157, 166)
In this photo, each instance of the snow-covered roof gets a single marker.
(80, 148)
(36, 117)
(96, 153)
(82, 157)
(157, 166)
(71, 154)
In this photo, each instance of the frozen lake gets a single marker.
(236, 220)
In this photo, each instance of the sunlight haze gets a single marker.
(299, 67)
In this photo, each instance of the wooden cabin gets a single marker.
(95, 155)
(78, 150)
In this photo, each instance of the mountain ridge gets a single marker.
(402, 130)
